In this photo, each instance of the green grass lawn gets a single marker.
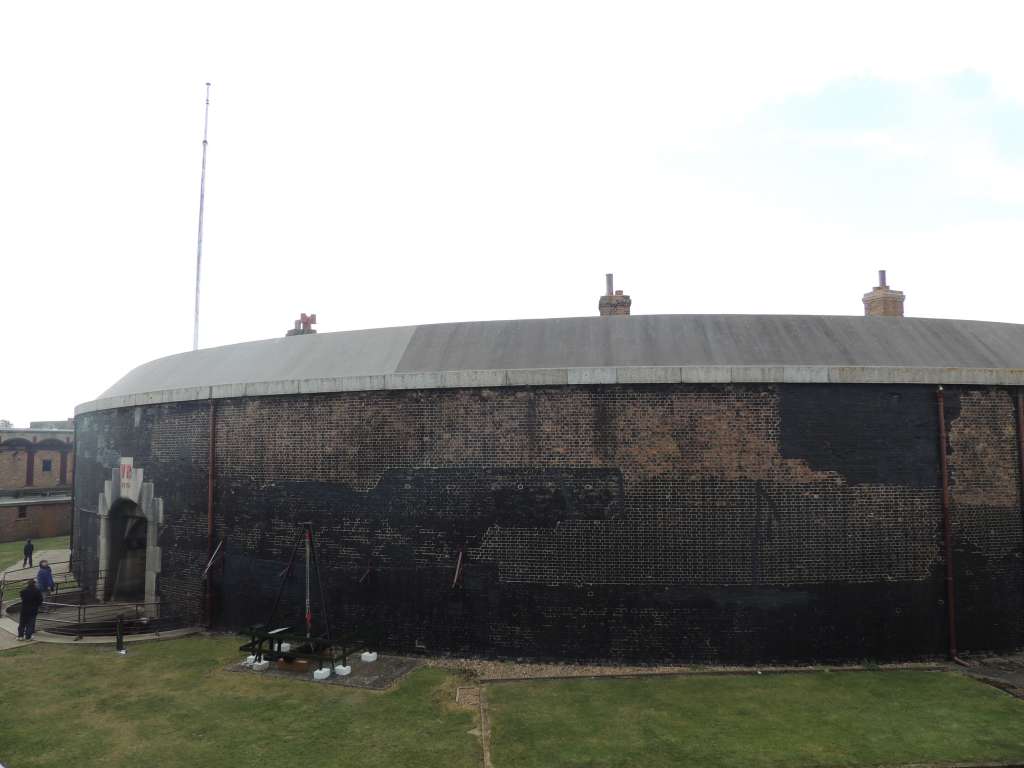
(818, 719)
(171, 704)
(11, 551)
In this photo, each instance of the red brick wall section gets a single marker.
(41, 521)
(13, 465)
(46, 479)
(986, 512)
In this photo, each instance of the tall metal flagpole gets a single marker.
(202, 200)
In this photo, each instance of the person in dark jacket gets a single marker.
(31, 599)
(28, 550)
(44, 579)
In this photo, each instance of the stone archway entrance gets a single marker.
(130, 516)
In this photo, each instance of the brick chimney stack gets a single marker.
(613, 302)
(883, 301)
(303, 325)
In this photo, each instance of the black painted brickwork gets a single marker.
(170, 443)
(897, 444)
(712, 523)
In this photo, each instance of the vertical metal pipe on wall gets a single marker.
(209, 508)
(74, 507)
(947, 525)
(1020, 446)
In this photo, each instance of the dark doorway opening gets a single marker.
(126, 568)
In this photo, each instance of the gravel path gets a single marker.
(1005, 672)
(485, 671)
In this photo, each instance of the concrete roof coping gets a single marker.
(546, 377)
(635, 349)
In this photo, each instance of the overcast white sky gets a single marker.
(398, 163)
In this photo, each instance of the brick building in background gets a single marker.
(36, 471)
(667, 487)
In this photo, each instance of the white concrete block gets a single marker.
(757, 373)
(322, 674)
(368, 656)
(459, 379)
(1011, 376)
(537, 377)
(362, 383)
(886, 375)
(705, 374)
(270, 388)
(592, 375)
(341, 384)
(413, 381)
(173, 395)
(228, 390)
(342, 670)
(805, 374)
(652, 374)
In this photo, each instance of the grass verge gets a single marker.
(171, 704)
(816, 719)
(11, 551)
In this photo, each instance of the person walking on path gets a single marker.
(28, 550)
(31, 599)
(45, 578)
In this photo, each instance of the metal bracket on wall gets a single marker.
(458, 570)
(213, 558)
(366, 573)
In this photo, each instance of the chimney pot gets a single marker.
(608, 284)
(881, 278)
(303, 325)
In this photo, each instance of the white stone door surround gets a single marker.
(126, 482)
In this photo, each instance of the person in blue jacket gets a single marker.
(45, 578)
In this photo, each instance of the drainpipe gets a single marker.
(1020, 442)
(209, 510)
(74, 507)
(947, 529)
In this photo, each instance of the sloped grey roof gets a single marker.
(582, 350)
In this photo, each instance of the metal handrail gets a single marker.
(31, 570)
(81, 623)
(61, 580)
(10, 576)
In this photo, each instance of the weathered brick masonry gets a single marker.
(39, 521)
(648, 522)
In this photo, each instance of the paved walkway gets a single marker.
(7, 640)
(8, 628)
(59, 556)
(1006, 672)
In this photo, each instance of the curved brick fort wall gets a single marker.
(730, 522)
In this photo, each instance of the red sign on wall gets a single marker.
(131, 479)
